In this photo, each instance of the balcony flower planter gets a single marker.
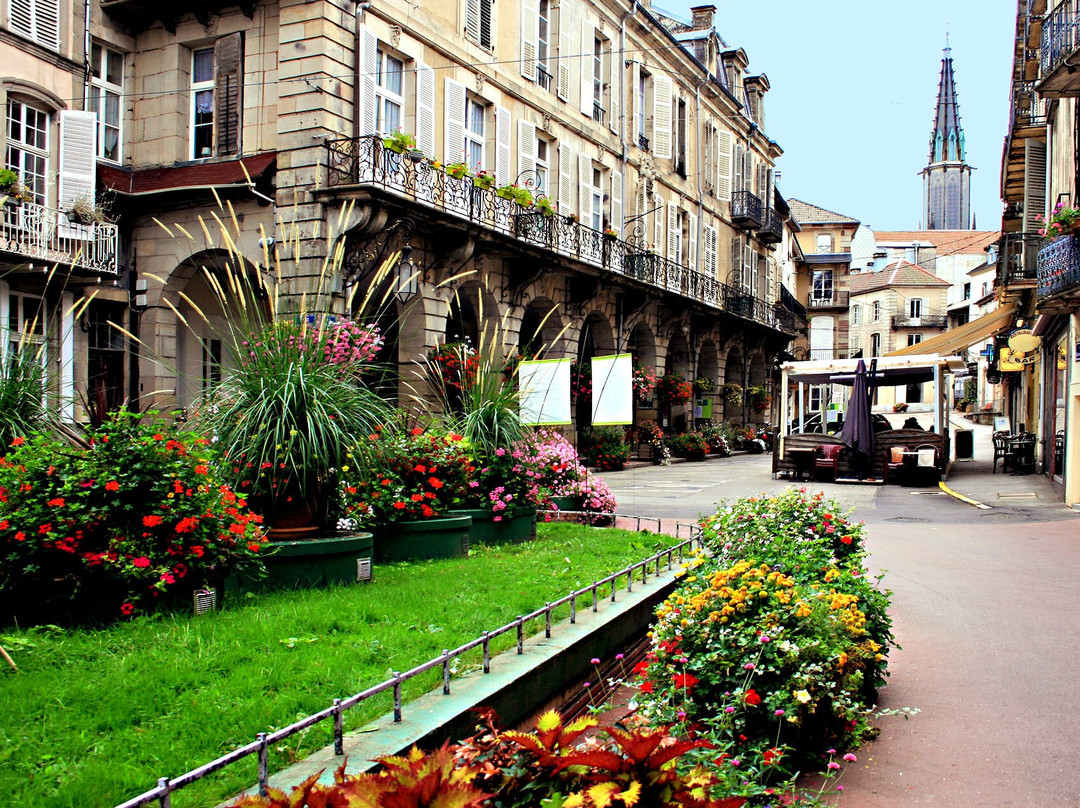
(517, 525)
(444, 537)
(310, 564)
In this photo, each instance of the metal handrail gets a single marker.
(47, 234)
(166, 786)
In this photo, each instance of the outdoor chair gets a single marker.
(1001, 451)
(894, 462)
(923, 462)
(827, 458)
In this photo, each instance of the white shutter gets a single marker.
(78, 149)
(369, 51)
(454, 112)
(632, 110)
(584, 188)
(691, 243)
(658, 222)
(530, 37)
(527, 151)
(425, 109)
(672, 230)
(21, 17)
(38, 20)
(502, 146)
(616, 202)
(723, 165)
(709, 250)
(748, 170)
(566, 180)
(709, 163)
(614, 88)
(661, 140)
(566, 50)
(472, 20)
(585, 65)
(67, 357)
(748, 267)
(735, 275)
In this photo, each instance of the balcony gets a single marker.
(1059, 275)
(746, 210)
(772, 227)
(365, 163)
(32, 232)
(1059, 46)
(837, 300)
(1018, 261)
(925, 321)
(543, 78)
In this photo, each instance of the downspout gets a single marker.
(622, 92)
(699, 237)
(86, 55)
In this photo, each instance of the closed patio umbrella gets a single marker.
(858, 431)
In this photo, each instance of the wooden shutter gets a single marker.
(454, 113)
(661, 139)
(228, 93)
(1034, 184)
(530, 37)
(735, 275)
(585, 65)
(691, 243)
(723, 165)
(709, 161)
(614, 87)
(566, 180)
(472, 20)
(709, 251)
(526, 165)
(38, 20)
(425, 109)
(616, 223)
(485, 24)
(672, 230)
(502, 146)
(658, 222)
(369, 55)
(78, 156)
(584, 188)
(748, 265)
(748, 170)
(565, 39)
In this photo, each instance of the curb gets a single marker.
(962, 498)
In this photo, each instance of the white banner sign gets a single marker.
(612, 390)
(544, 386)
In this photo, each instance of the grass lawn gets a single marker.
(94, 717)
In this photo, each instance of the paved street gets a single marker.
(986, 606)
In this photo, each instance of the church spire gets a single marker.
(947, 137)
(947, 176)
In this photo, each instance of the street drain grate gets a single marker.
(907, 519)
(928, 493)
(1018, 495)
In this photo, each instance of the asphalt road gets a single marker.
(986, 607)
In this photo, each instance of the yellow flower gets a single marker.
(801, 696)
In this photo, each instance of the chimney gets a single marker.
(702, 19)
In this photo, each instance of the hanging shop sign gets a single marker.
(1023, 340)
(1012, 360)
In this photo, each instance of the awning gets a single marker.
(957, 340)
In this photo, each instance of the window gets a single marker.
(875, 344)
(211, 364)
(106, 90)
(105, 352)
(680, 137)
(822, 285)
(967, 291)
(876, 313)
(38, 20)
(855, 346)
(389, 92)
(642, 100)
(202, 100)
(26, 320)
(543, 49)
(914, 339)
(856, 314)
(216, 103)
(543, 166)
(598, 80)
(915, 308)
(475, 114)
(594, 203)
(478, 22)
(28, 146)
(824, 242)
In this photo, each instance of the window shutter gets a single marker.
(472, 20)
(658, 222)
(454, 112)
(21, 17)
(691, 243)
(485, 24)
(614, 88)
(38, 20)
(709, 163)
(748, 170)
(672, 230)
(566, 181)
(425, 109)
(584, 186)
(633, 113)
(369, 54)
(562, 85)
(737, 168)
(527, 153)
(585, 65)
(661, 140)
(78, 131)
(709, 250)
(228, 91)
(502, 146)
(747, 268)
(723, 165)
(530, 37)
(735, 275)
(616, 222)
(1034, 184)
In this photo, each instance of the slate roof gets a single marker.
(805, 213)
(899, 273)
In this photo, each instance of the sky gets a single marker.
(854, 90)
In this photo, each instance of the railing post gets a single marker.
(339, 729)
(264, 765)
(521, 634)
(487, 652)
(165, 801)
(446, 671)
(396, 676)
(547, 619)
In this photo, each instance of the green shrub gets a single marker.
(604, 447)
(691, 445)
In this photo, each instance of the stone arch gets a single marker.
(543, 329)
(596, 338)
(642, 344)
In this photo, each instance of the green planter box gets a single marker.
(447, 537)
(311, 563)
(567, 503)
(517, 527)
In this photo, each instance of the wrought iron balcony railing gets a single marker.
(1060, 40)
(1018, 259)
(745, 209)
(772, 227)
(35, 232)
(836, 300)
(1059, 267)
(366, 161)
(543, 78)
(924, 321)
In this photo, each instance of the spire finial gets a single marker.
(948, 47)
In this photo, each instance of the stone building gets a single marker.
(259, 130)
(947, 176)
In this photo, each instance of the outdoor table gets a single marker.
(802, 457)
(1021, 452)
